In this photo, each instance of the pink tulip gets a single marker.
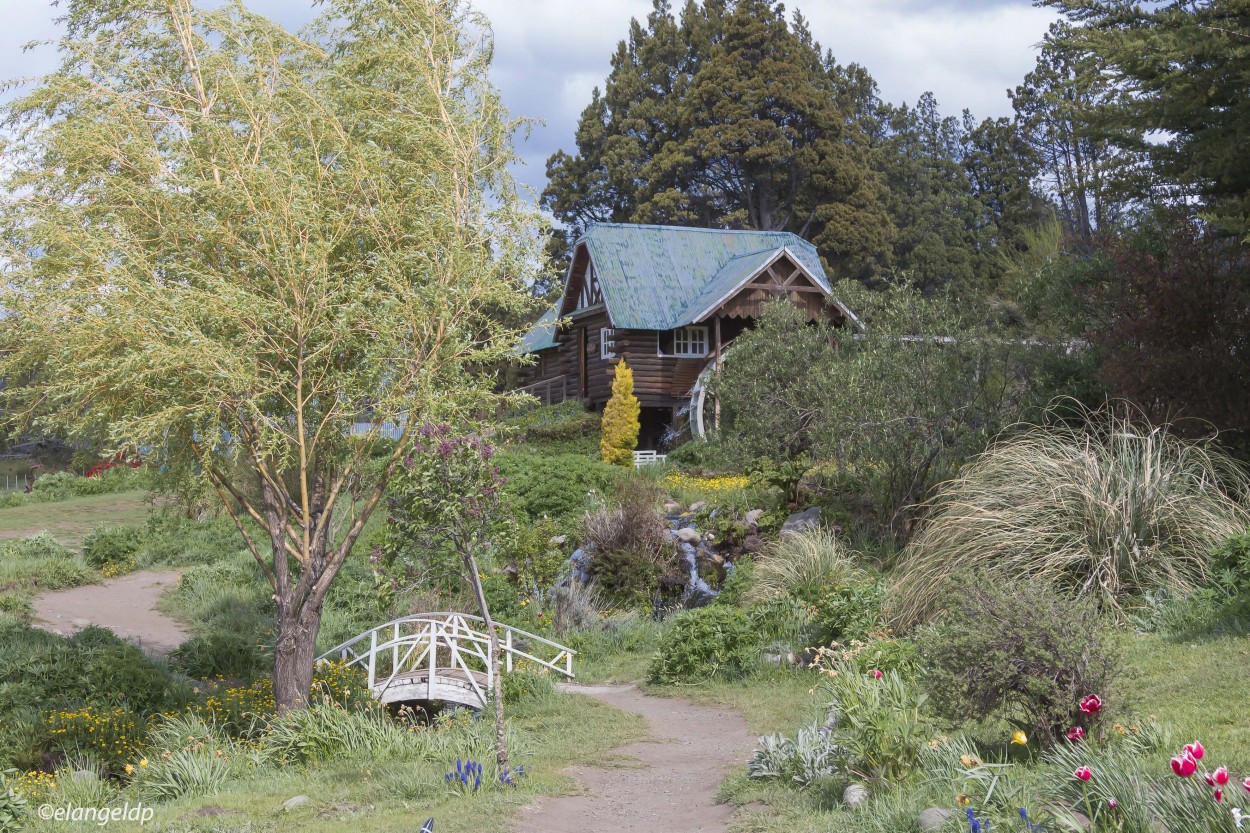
(1184, 765)
(1210, 779)
(1195, 750)
(1112, 803)
(876, 673)
(1076, 733)
(1083, 773)
(1091, 703)
(1219, 795)
(1246, 784)
(1221, 776)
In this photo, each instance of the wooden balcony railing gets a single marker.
(552, 391)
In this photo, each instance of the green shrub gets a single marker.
(707, 642)
(1023, 653)
(13, 809)
(42, 545)
(1230, 565)
(1112, 513)
(561, 486)
(567, 428)
(220, 654)
(519, 686)
(849, 611)
(112, 546)
(781, 620)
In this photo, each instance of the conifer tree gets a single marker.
(620, 420)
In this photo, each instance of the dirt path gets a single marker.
(125, 605)
(668, 781)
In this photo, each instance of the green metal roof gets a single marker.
(663, 277)
(656, 277)
(543, 335)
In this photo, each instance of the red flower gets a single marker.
(876, 673)
(1195, 750)
(1246, 784)
(1091, 703)
(1083, 773)
(1219, 795)
(1076, 733)
(1184, 764)
(1221, 776)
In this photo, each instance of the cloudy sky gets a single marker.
(550, 54)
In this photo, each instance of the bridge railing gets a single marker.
(448, 642)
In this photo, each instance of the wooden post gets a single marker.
(716, 341)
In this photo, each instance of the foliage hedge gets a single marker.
(561, 486)
(706, 642)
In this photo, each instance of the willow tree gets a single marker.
(253, 254)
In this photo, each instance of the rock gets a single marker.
(752, 518)
(801, 521)
(84, 775)
(698, 506)
(752, 544)
(689, 536)
(557, 540)
(932, 819)
(717, 559)
(296, 801)
(672, 508)
(854, 795)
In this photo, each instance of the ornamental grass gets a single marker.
(1112, 511)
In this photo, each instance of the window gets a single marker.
(607, 343)
(684, 342)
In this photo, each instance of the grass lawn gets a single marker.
(70, 521)
(382, 796)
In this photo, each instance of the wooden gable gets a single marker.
(782, 278)
(582, 289)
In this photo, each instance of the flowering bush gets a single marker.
(113, 736)
(719, 483)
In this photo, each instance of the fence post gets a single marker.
(508, 648)
(373, 654)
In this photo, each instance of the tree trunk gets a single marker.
(294, 655)
(501, 740)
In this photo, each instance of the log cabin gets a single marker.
(668, 300)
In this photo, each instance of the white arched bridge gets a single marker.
(444, 656)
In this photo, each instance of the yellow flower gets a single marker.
(143, 762)
(130, 769)
(962, 800)
(1020, 738)
(969, 760)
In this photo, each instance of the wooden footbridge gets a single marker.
(444, 656)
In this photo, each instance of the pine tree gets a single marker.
(620, 420)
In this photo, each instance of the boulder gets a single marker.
(752, 518)
(752, 544)
(855, 795)
(688, 536)
(296, 801)
(84, 775)
(672, 508)
(932, 819)
(698, 506)
(800, 521)
(557, 541)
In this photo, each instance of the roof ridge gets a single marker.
(697, 228)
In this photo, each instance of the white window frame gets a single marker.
(607, 343)
(688, 343)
